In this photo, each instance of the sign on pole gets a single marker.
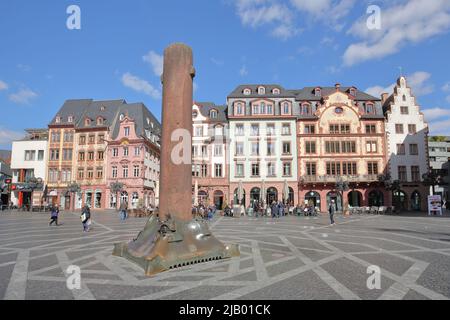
(434, 205)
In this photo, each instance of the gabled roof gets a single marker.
(206, 107)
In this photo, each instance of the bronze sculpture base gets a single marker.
(164, 245)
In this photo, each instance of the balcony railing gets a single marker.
(333, 179)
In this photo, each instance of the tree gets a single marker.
(437, 139)
(33, 184)
(433, 179)
(73, 188)
(116, 188)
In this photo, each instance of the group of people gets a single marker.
(85, 217)
(204, 212)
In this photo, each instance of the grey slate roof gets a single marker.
(105, 109)
(307, 93)
(206, 107)
(75, 108)
(239, 91)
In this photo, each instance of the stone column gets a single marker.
(176, 178)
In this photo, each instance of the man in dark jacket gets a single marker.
(332, 211)
(85, 217)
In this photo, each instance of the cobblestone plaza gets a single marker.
(288, 258)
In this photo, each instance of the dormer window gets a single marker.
(239, 108)
(102, 108)
(213, 114)
(261, 90)
(306, 109)
(70, 119)
(148, 121)
(99, 121)
(369, 108)
(276, 91)
(247, 91)
(58, 119)
(87, 122)
(194, 114)
(286, 108)
(353, 92)
(121, 117)
(317, 92)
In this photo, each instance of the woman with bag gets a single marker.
(54, 216)
(86, 218)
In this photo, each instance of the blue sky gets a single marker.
(295, 43)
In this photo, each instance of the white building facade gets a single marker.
(407, 146)
(29, 160)
(263, 150)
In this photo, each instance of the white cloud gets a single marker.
(435, 113)
(139, 85)
(3, 85)
(447, 98)
(243, 71)
(440, 128)
(256, 13)
(410, 22)
(7, 136)
(156, 61)
(446, 87)
(23, 96)
(418, 81)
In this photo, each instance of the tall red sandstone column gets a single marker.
(176, 179)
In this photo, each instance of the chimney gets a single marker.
(337, 86)
(384, 97)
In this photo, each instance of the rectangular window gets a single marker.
(204, 170)
(271, 169)
(239, 169)
(270, 148)
(198, 131)
(137, 151)
(286, 129)
(239, 148)
(80, 174)
(286, 148)
(30, 155)
(310, 147)
(136, 171)
(100, 155)
(255, 130)
(218, 170)
(91, 139)
(239, 130)
(412, 129)
(413, 149)
(81, 156)
(126, 131)
(56, 136)
(218, 150)
(310, 129)
(82, 140)
(67, 154)
(372, 168)
(404, 110)
(91, 156)
(99, 173)
(114, 172)
(101, 138)
(40, 155)
(415, 173)
(54, 155)
(255, 169)
(371, 128)
(125, 171)
(401, 149)
(311, 169)
(125, 151)
(115, 152)
(287, 169)
(402, 176)
(270, 129)
(204, 151)
(68, 136)
(399, 128)
(348, 147)
(90, 173)
(255, 148)
(371, 147)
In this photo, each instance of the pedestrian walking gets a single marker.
(332, 211)
(123, 211)
(86, 218)
(280, 209)
(54, 216)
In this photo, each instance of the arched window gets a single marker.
(99, 121)
(261, 90)
(353, 92)
(239, 108)
(306, 109)
(286, 109)
(317, 92)
(121, 117)
(369, 108)
(404, 98)
(58, 119)
(70, 119)
(194, 114)
(276, 91)
(263, 108)
(213, 114)
(247, 91)
(87, 122)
